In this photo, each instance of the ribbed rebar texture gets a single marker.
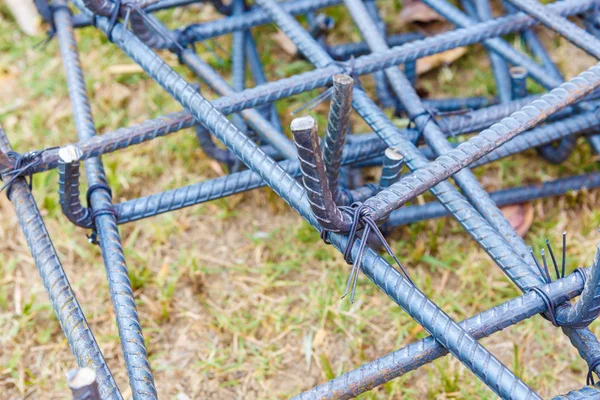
(473, 149)
(426, 350)
(433, 134)
(227, 185)
(130, 330)
(258, 152)
(68, 187)
(338, 125)
(394, 284)
(65, 305)
(566, 28)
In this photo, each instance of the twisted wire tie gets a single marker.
(550, 313)
(93, 236)
(551, 305)
(51, 32)
(361, 217)
(590, 375)
(23, 166)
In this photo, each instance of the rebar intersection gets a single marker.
(330, 197)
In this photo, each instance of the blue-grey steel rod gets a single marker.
(238, 182)
(499, 65)
(338, 125)
(455, 16)
(585, 341)
(253, 117)
(238, 61)
(517, 195)
(459, 343)
(587, 308)
(321, 77)
(174, 122)
(83, 385)
(543, 135)
(253, 17)
(480, 230)
(68, 311)
(139, 23)
(488, 140)
(360, 150)
(391, 168)
(130, 331)
(566, 146)
(434, 136)
(386, 98)
(474, 224)
(570, 31)
(535, 45)
(518, 76)
(585, 393)
(586, 123)
(342, 52)
(258, 74)
(68, 187)
(427, 350)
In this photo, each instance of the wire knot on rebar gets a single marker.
(23, 166)
(362, 219)
(93, 236)
(595, 363)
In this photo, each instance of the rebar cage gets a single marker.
(320, 178)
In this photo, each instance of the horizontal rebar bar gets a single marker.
(470, 151)
(272, 91)
(426, 350)
(68, 311)
(401, 291)
(249, 19)
(410, 214)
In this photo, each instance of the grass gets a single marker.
(239, 298)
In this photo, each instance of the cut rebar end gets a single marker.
(69, 154)
(518, 72)
(81, 378)
(393, 154)
(343, 80)
(306, 123)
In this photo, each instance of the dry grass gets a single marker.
(238, 297)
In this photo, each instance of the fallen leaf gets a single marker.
(416, 11)
(216, 167)
(26, 15)
(433, 61)
(520, 217)
(124, 69)
(319, 338)
(285, 43)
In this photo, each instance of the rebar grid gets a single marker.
(551, 123)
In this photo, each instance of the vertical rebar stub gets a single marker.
(518, 76)
(69, 154)
(393, 162)
(303, 124)
(83, 385)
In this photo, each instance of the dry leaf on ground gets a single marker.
(285, 43)
(416, 11)
(520, 217)
(428, 63)
(26, 15)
